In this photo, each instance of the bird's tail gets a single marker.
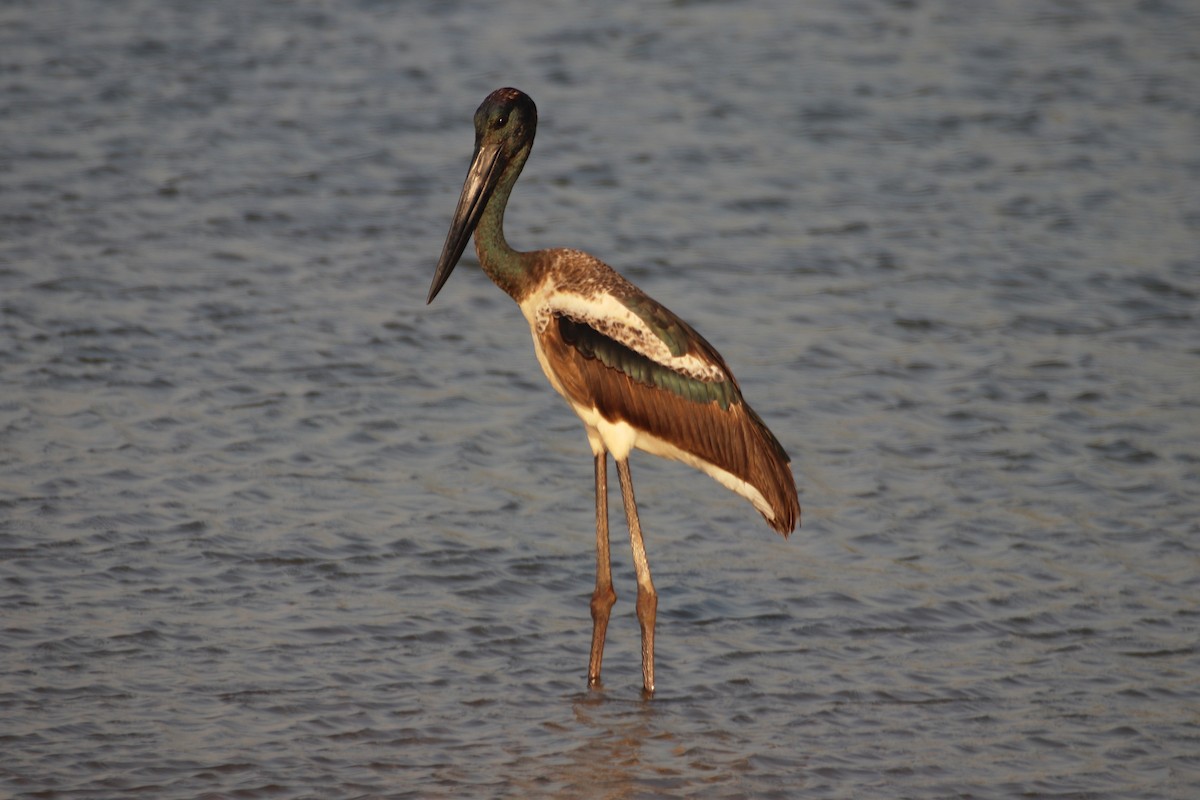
(769, 470)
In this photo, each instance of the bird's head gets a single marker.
(504, 127)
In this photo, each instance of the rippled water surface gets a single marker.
(271, 527)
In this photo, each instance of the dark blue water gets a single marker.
(271, 527)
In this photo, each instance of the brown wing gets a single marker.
(709, 420)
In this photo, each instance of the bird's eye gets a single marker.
(500, 122)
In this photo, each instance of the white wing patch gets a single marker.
(609, 316)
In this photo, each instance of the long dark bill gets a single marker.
(481, 181)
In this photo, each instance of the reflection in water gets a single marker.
(610, 761)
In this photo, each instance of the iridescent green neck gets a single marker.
(504, 265)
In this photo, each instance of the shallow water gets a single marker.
(271, 527)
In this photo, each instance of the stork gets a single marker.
(637, 375)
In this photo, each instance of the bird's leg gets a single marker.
(647, 598)
(604, 596)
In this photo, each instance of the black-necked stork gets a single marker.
(636, 374)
